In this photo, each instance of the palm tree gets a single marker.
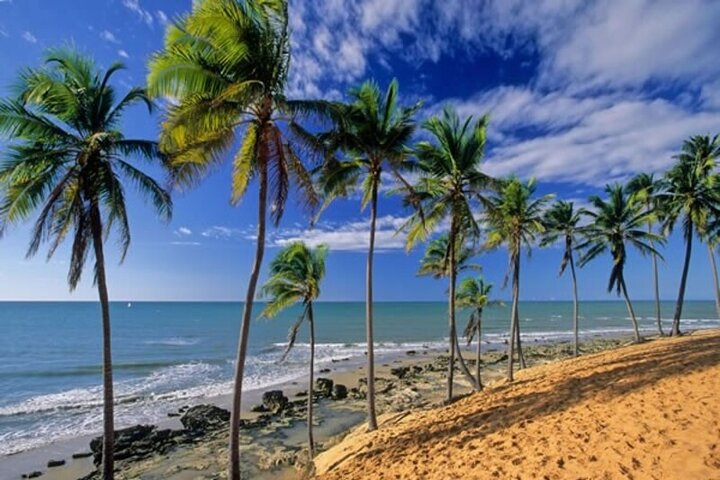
(712, 237)
(450, 177)
(372, 131)
(515, 220)
(474, 293)
(295, 276)
(68, 158)
(435, 262)
(225, 67)
(615, 225)
(645, 189)
(691, 194)
(563, 220)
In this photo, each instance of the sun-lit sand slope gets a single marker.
(645, 411)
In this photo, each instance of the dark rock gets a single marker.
(356, 393)
(339, 392)
(139, 441)
(302, 393)
(400, 372)
(32, 475)
(324, 387)
(411, 352)
(325, 370)
(81, 455)
(202, 418)
(259, 409)
(55, 463)
(174, 414)
(274, 401)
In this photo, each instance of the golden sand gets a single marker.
(648, 411)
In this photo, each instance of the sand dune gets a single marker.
(648, 411)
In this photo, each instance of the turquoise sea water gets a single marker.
(170, 354)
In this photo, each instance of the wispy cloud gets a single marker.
(109, 37)
(352, 236)
(29, 37)
(185, 244)
(162, 17)
(221, 232)
(136, 7)
(183, 232)
(123, 53)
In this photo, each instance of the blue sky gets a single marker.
(580, 94)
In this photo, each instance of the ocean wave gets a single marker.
(174, 342)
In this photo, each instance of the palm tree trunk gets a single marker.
(372, 417)
(463, 365)
(478, 378)
(576, 334)
(513, 321)
(716, 282)
(451, 311)
(108, 467)
(630, 310)
(311, 441)
(656, 286)
(675, 330)
(521, 356)
(234, 460)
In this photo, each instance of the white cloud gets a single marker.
(183, 232)
(353, 236)
(29, 37)
(185, 244)
(123, 53)
(134, 6)
(162, 17)
(3, 33)
(109, 37)
(589, 140)
(220, 232)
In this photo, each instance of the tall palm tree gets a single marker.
(68, 158)
(225, 67)
(295, 276)
(435, 262)
(450, 177)
(644, 188)
(372, 132)
(562, 220)
(514, 217)
(712, 238)
(474, 293)
(691, 194)
(616, 223)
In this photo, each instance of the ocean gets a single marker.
(169, 354)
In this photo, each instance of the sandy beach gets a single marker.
(641, 411)
(276, 449)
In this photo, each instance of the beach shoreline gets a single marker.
(423, 387)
